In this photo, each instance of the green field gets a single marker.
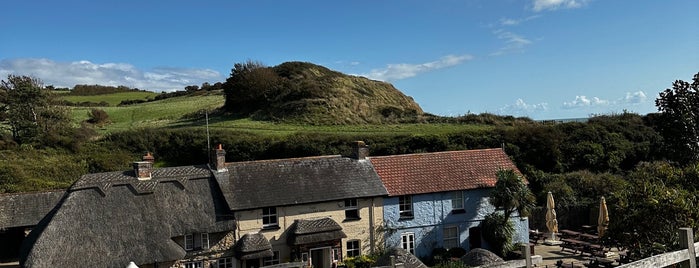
(113, 99)
(187, 112)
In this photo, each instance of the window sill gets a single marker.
(351, 219)
(270, 228)
(405, 218)
(458, 211)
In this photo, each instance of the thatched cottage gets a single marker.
(153, 217)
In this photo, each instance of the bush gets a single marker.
(98, 117)
(362, 261)
(498, 232)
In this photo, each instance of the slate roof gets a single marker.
(441, 171)
(27, 209)
(108, 219)
(293, 181)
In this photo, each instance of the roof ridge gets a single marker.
(287, 159)
(440, 152)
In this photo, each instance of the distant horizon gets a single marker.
(534, 58)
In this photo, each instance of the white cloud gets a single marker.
(513, 42)
(399, 71)
(69, 74)
(583, 101)
(540, 5)
(630, 99)
(635, 97)
(521, 108)
(512, 22)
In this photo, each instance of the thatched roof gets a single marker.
(253, 246)
(27, 209)
(314, 231)
(479, 257)
(402, 256)
(298, 181)
(109, 219)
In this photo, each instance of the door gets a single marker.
(321, 257)
(474, 237)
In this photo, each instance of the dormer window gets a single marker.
(196, 241)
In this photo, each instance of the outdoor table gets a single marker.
(605, 262)
(570, 234)
(573, 244)
(589, 237)
(534, 236)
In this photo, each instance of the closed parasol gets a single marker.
(603, 218)
(551, 221)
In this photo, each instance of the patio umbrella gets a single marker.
(603, 218)
(551, 222)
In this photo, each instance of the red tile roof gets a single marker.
(441, 171)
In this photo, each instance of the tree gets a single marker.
(680, 128)
(250, 85)
(25, 106)
(511, 194)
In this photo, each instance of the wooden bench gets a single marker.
(574, 245)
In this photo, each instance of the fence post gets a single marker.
(527, 255)
(687, 241)
(393, 261)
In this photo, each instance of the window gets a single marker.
(405, 204)
(269, 217)
(224, 263)
(457, 201)
(353, 249)
(196, 264)
(451, 237)
(189, 242)
(204, 240)
(271, 260)
(336, 254)
(351, 209)
(408, 242)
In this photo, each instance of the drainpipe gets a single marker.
(371, 227)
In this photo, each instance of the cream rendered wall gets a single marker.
(250, 221)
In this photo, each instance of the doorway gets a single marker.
(474, 237)
(321, 257)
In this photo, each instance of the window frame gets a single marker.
(225, 263)
(408, 242)
(204, 242)
(194, 264)
(405, 206)
(455, 238)
(352, 210)
(189, 242)
(268, 214)
(267, 261)
(457, 197)
(353, 251)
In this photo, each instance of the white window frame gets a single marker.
(405, 206)
(267, 261)
(269, 216)
(450, 239)
(194, 264)
(457, 200)
(225, 263)
(352, 251)
(408, 242)
(205, 240)
(336, 254)
(188, 242)
(352, 204)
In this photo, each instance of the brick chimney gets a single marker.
(149, 158)
(218, 158)
(360, 150)
(144, 168)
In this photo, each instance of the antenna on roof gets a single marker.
(208, 138)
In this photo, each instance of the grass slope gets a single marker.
(113, 99)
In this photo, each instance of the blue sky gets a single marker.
(544, 59)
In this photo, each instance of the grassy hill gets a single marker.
(311, 94)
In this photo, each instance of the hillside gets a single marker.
(306, 93)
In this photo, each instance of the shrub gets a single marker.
(498, 232)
